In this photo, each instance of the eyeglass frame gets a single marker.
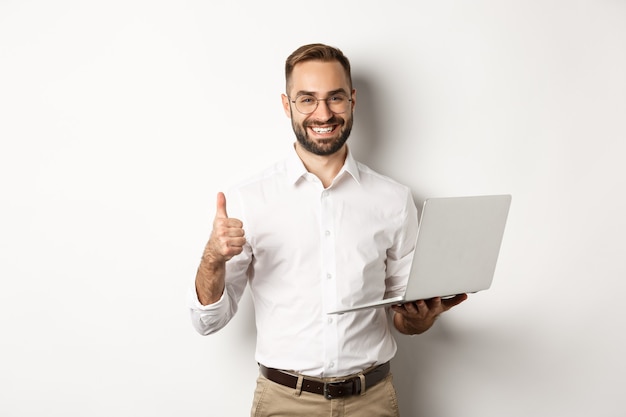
(317, 101)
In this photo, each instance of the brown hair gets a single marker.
(318, 52)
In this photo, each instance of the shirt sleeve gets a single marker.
(400, 255)
(213, 317)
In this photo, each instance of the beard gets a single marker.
(327, 146)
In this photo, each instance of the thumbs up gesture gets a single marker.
(227, 238)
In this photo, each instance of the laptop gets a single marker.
(458, 242)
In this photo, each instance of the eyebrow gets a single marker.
(312, 93)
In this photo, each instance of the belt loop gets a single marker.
(362, 378)
(298, 390)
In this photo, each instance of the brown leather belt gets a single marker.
(330, 390)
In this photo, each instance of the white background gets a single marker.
(120, 120)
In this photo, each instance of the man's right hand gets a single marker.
(227, 238)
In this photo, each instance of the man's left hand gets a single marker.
(419, 316)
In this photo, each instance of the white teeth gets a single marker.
(322, 129)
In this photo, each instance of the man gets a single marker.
(321, 231)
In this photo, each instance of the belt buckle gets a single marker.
(327, 394)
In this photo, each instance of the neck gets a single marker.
(324, 167)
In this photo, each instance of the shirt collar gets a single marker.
(296, 169)
(351, 167)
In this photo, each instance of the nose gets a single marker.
(322, 112)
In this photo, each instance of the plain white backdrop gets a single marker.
(121, 120)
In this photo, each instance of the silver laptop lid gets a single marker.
(458, 244)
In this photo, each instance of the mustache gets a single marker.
(332, 121)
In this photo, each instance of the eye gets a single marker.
(337, 98)
(306, 99)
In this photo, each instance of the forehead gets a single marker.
(318, 77)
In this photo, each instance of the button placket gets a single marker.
(328, 270)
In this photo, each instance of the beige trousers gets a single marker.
(275, 400)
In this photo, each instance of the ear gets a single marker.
(286, 106)
(353, 98)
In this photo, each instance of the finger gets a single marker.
(221, 206)
(456, 300)
(238, 242)
(235, 230)
(228, 227)
(223, 247)
(415, 307)
(410, 308)
(434, 303)
(232, 250)
(397, 308)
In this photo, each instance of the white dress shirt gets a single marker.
(310, 250)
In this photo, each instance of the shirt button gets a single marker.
(331, 365)
(324, 193)
(327, 233)
(329, 276)
(330, 320)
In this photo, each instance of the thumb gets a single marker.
(221, 206)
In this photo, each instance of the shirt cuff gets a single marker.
(195, 304)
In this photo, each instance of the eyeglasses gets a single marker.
(337, 103)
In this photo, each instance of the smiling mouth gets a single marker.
(323, 130)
